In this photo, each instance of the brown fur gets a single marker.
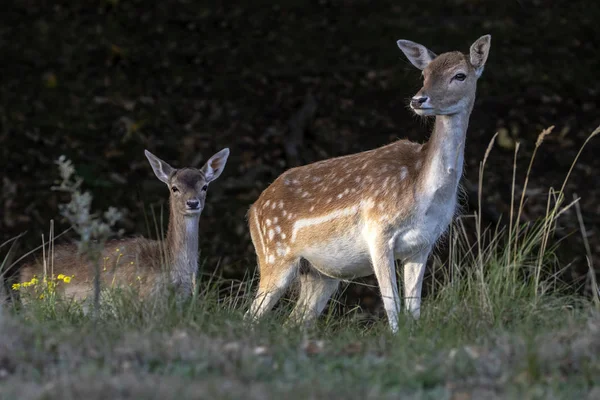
(123, 263)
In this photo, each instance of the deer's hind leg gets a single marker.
(276, 270)
(275, 278)
(315, 291)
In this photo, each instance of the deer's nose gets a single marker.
(193, 204)
(416, 102)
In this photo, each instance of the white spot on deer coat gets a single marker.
(306, 222)
(271, 234)
(367, 203)
(403, 172)
(280, 250)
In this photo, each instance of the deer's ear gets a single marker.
(215, 165)
(479, 53)
(419, 55)
(162, 170)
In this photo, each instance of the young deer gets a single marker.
(143, 262)
(352, 216)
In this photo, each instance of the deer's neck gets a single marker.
(182, 247)
(445, 152)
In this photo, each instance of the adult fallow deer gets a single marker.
(352, 216)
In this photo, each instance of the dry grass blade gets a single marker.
(12, 240)
(546, 229)
(594, 133)
(37, 248)
(543, 135)
(588, 252)
(485, 299)
(512, 203)
(538, 143)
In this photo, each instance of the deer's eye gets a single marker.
(460, 77)
(174, 189)
(204, 188)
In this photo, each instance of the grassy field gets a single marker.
(497, 323)
(463, 347)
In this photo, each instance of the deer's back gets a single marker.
(123, 263)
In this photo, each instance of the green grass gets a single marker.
(203, 348)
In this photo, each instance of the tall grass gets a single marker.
(508, 272)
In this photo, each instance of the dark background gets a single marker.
(100, 81)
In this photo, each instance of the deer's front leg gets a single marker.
(414, 269)
(382, 257)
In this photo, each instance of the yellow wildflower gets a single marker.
(34, 281)
(60, 276)
(16, 286)
(67, 279)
